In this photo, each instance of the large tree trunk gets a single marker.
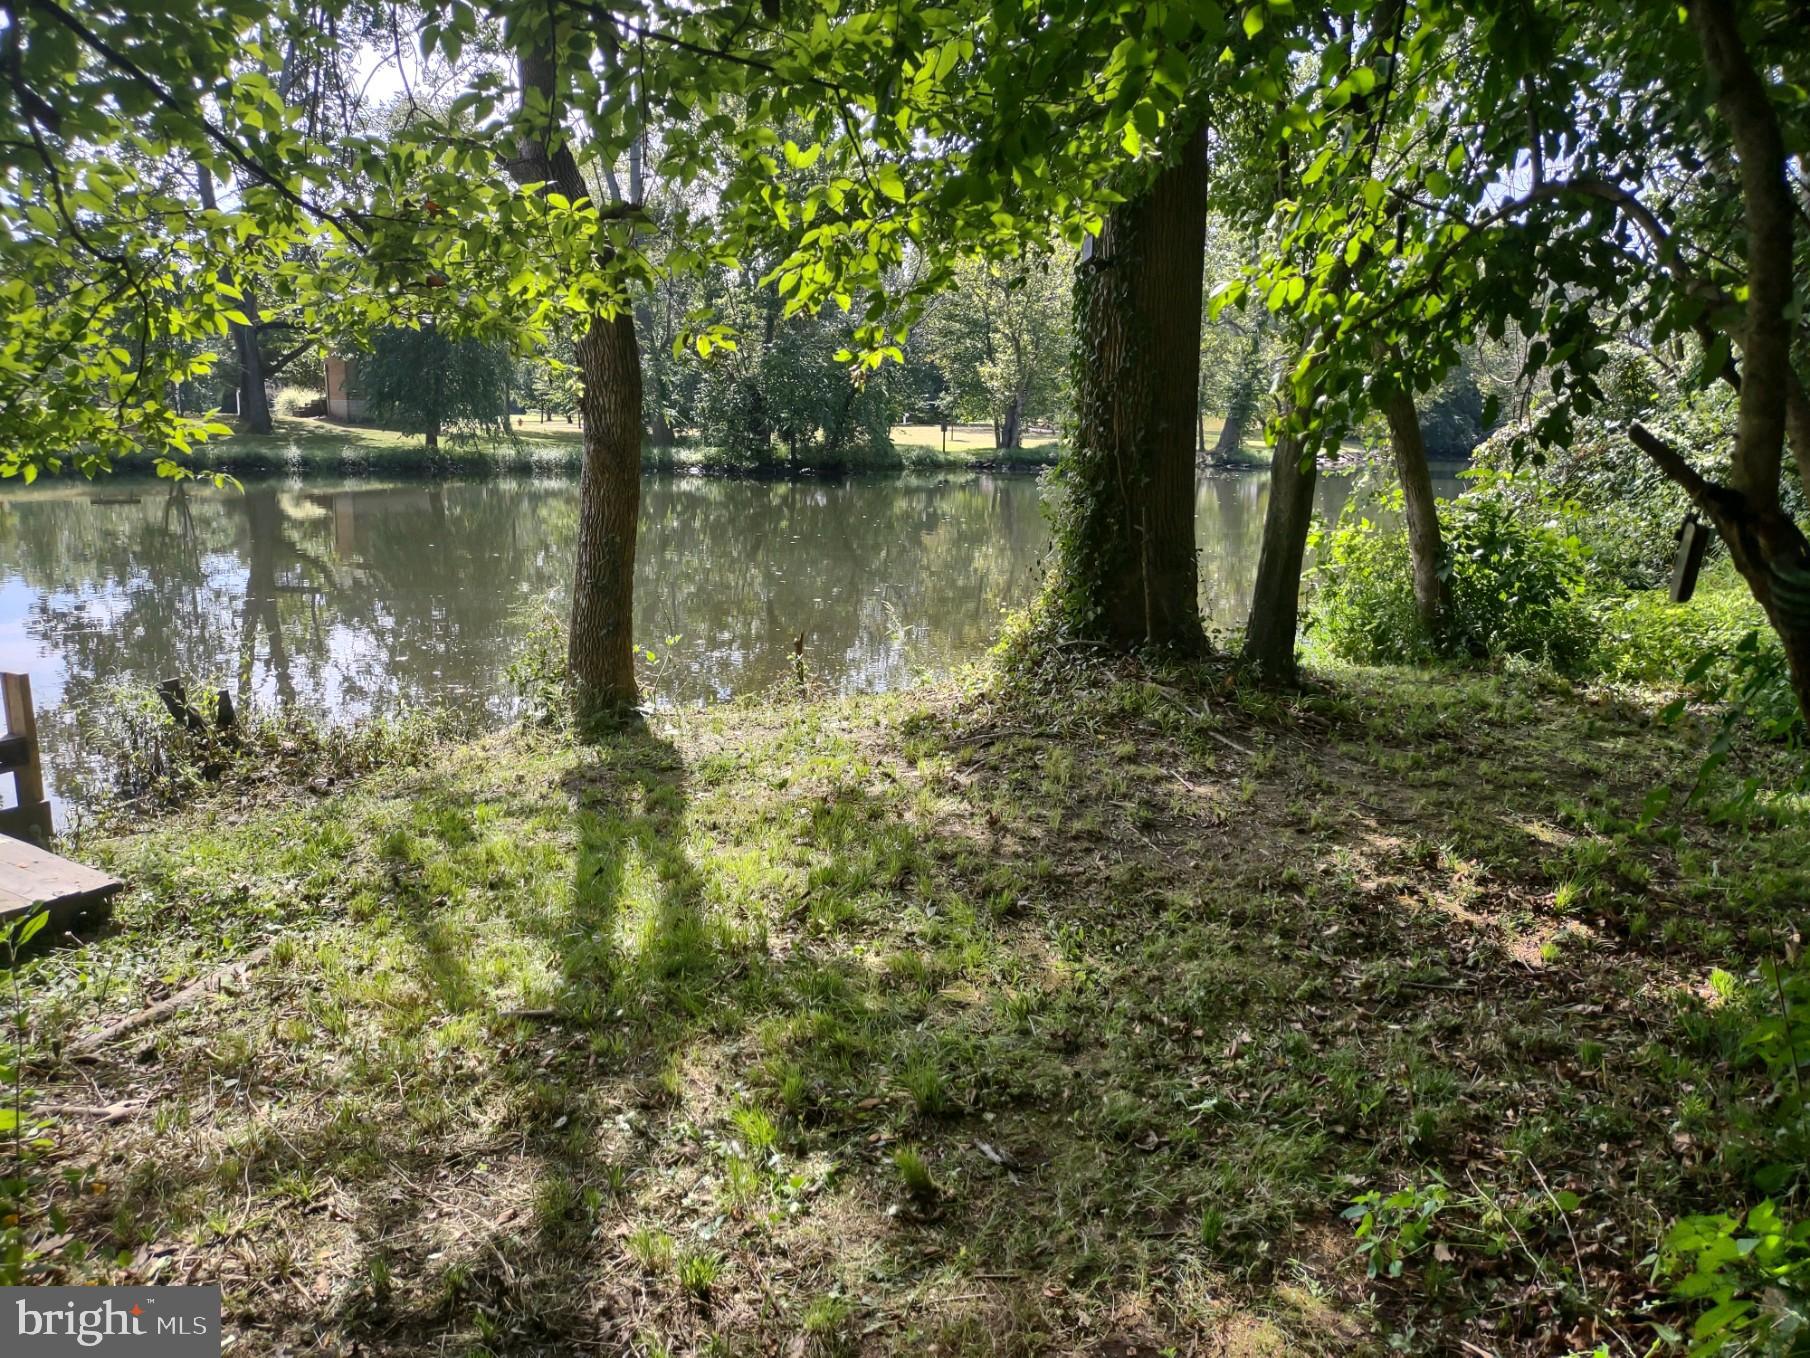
(609, 506)
(254, 402)
(1269, 636)
(1125, 569)
(1238, 417)
(1010, 436)
(1426, 552)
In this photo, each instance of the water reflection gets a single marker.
(353, 597)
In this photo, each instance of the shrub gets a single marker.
(294, 401)
(1645, 638)
(1517, 587)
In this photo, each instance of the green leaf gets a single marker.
(889, 182)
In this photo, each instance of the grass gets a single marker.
(1061, 1016)
(967, 444)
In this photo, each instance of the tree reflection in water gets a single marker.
(352, 597)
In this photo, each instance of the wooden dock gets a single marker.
(31, 877)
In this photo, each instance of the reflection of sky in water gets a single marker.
(352, 598)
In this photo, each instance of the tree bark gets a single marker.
(1269, 636)
(254, 401)
(1764, 542)
(599, 657)
(1009, 433)
(599, 647)
(1426, 552)
(1238, 417)
(1125, 568)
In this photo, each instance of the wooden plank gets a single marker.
(31, 817)
(22, 721)
(30, 877)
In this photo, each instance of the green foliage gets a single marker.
(914, 1172)
(1516, 588)
(23, 1131)
(1746, 1275)
(538, 673)
(1622, 508)
(794, 394)
(1390, 1229)
(421, 382)
(1645, 638)
(999, 341)
(698, 1271)
(1752, 1271)
(153, 762)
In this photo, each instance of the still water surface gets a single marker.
(354, 597)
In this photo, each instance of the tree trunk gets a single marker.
(254, 402)
(1764, 541)
(1767, 548)
(609, 506)
(599, 660)
(1125, 570)
(1269, 636)
(1237, 420)
(438, 388)
(1426, 552)
(1010, 436)
(662, 427)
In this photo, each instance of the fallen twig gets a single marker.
(164, 1008)
(113, 1112)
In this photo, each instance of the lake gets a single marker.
(356, 597)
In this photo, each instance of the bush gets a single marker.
(1645, 638)
(1517, 588)
(299, 401)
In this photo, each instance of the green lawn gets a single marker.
(308, 444)
(1058, 1016)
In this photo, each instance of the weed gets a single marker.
(914, 1172)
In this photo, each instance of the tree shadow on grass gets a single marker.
(652, 1064)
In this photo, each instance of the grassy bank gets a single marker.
(1064, 1018)
(302, 445)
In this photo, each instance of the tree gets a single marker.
(1000, 336)
(1125, 569)
(1426, 553)
(1767, 545)
(921, 124)
(425, 383)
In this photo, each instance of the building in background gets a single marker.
(345, 394)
